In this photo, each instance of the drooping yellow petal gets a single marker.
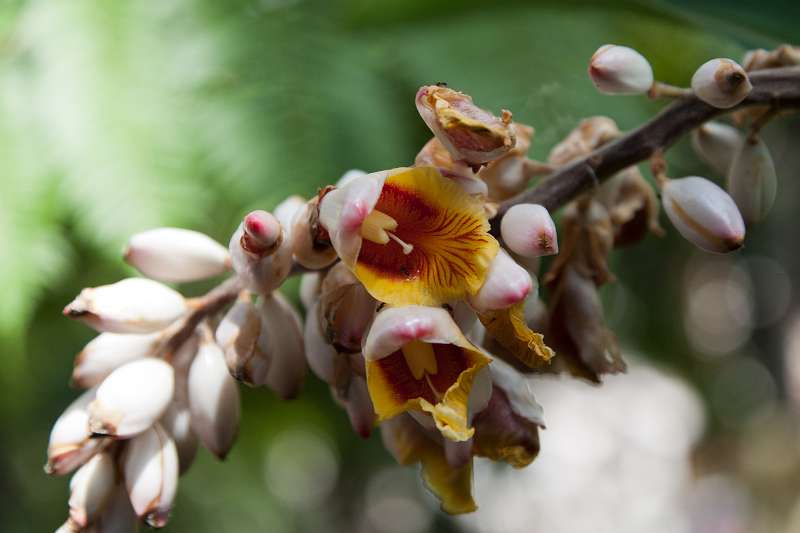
(440, 249)
(508, 327)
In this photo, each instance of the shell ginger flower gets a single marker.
(410, 236)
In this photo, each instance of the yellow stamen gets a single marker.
(378, 227)
(420, 358)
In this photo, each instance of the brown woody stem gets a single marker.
(778, 88)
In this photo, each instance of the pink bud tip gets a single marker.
(262, 232)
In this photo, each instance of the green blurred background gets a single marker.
(121, 116)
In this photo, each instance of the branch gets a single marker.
(777, 88)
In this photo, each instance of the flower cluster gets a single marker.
(418, 318)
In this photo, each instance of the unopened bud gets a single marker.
(717, 144)
(118, 515)
(262, 233)
(620, 70)
(470, 133)
(345, 309)
(133, 305)
(308, 246)
(177, 422)
(132, 398)
(320, 353)
(237, 335)
(213, 399)
(109, 351)
(90, 489)
(704, 214)
(287, 209)
(176, 255)
(721, 83)
(260, 252)
(528, 230)
(281, 339)
(310, 283)
(71, 442)
(506, 284)
(150, 467)
(752, 182)
(359, 406)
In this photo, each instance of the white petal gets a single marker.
(620, 70)
(349, 176)
(286, 211)
(321, 355)
(282, 339)
(310, 283)
(91, 488)
(71, 442)
(397, 326)
(177, 422)
(109, 351)
(150, 466)
(704, 214)
(528, 230)
(213, 400)
(237, 335)
(133, 305)
(176, 255)
(518, 389)
(717, 143)
(506, 284)
(132, 398)
(721, 83)
(481, 392)
(752, 182)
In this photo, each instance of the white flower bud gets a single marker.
(506, 284)
(359, 406)
(320, 354)
(132, 398)
(260, 252)
(109, 351)
(282, 340)
(71, 442)
(752, 182)
(90, 489)
(237, 335)
(721, 83)
(528, 230)
(176, 255)
(118, 516)
(286, 211)
(307, 247)
(717, 143)
(620, 70)
(704, 214)
(213, 400)
(177, 421)
(310, 283)
(133, 305)
(150, 466)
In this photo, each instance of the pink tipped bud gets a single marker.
(109, 351)
(262, 233)
(717, 144)
(260, 252)
(704, 214)
(133, 305)
(506, 284)
(132, 398)
(528, 230)
(150, 467)
(620, 70)
(176, 255)
(721, 83)
(213, 400)
(752, 182)
(469, 133)
(90, 489)
(71, 442)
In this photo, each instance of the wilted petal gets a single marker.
(510, 174)
(529, 231)
(506, 284)
(237, 335)
(108, 351)
(91, 488)
(721, 83)
(409, 444)
(281, 339)
(132, 398)
(213, 399)
(176, 255)
(434, 154)
(150, 466)
(752, 182)
(133, 305)
(590, 134)
(717, 144)
(620, 70)
(508, 327)
(417, 358)
(260, 252)
(470, 133)
(704, 214)
(410, 236)
(632, 205)
(71, 442)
